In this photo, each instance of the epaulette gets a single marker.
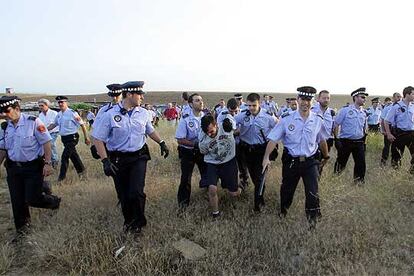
(285, 115)
(244, 110)
(225, 112)
(395, 103)
(3, 125)
(32, 118)
(186, 115)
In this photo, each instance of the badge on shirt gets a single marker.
(350, 112)
(291, 127)
(247, 118)
(41, 128)
(117, 118)
(191, 124)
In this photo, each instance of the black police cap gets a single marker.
(359, 91)
(61, 98)
(306, 91)
(115, 89)
(133, 87)
(238, 96)
(6, 101)
(376, 99)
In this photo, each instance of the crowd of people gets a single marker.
(233, 142)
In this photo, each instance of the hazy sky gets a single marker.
(79, 46)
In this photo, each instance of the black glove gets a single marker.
(109, 168)
(94, 152)
(338, 144)
(164, 149)
(227, 125)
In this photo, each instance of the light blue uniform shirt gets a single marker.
(283, 109)
(250, 126)
(24, 142)
(300, 137)
(353, 122)
(188, 128)
(374, 115)
(68, 122)
(243, 107)
(269, 106)
(123, 132)
(401, 116)
(328, 118)
(186, 110)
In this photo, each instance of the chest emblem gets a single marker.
(247, 118)
(191, 124)
(117, 118)
(351, 112)
(291, 127)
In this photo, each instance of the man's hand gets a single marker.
(265, 163)
(47, 170)
(227, 125)
(109, 168)
(164, 149)
(390, 137)
(87, 141)
(324, 161)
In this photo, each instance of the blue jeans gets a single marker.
(55, 156)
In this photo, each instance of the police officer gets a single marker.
(187, 138)
(284, 108)
(322, 107)
(353, 125)
(268, 105)
(254, 125)
(230, 112)
(374, 115)
(186, 108)
(124, 129)
(26, 147)
(48, 116)
(401, 116)
(300, 131)
(69, 121)
(115, 92)
(396, 97)
(242, 105)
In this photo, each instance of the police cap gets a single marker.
(359, 91)
(133, 87)
(115, 89)
(6, 101)
(307, 92)
(61, 98)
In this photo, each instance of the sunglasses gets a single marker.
(61, 102)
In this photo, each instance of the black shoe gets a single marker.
(215, 215)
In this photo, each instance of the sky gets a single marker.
(80, 46)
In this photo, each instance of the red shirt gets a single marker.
(171, 113)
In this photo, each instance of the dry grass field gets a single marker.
(365, 230)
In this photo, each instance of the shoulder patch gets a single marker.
(285, 114)
(32, 118)
(186, 115)
(41, 128)
(244, 110)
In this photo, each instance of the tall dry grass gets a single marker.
(365, 230)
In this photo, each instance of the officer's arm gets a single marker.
(2, 155)
(47, 148)
(324, 149)
(85, 133)
(185, 142)
(51, 126)
(100, 148)
(155, 136)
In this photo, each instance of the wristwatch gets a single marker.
(48, 162)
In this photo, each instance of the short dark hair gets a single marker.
(387, 99)
(323, 91)
(252, 97)
(408, 90)
(190, 99)
(185, 96)
(395, 94)
(206, 121)
(232, 103)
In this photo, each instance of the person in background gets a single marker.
(48, 116)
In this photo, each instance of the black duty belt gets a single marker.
(12, 163)
(142, 151)
(253, 147)
(361, 140)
